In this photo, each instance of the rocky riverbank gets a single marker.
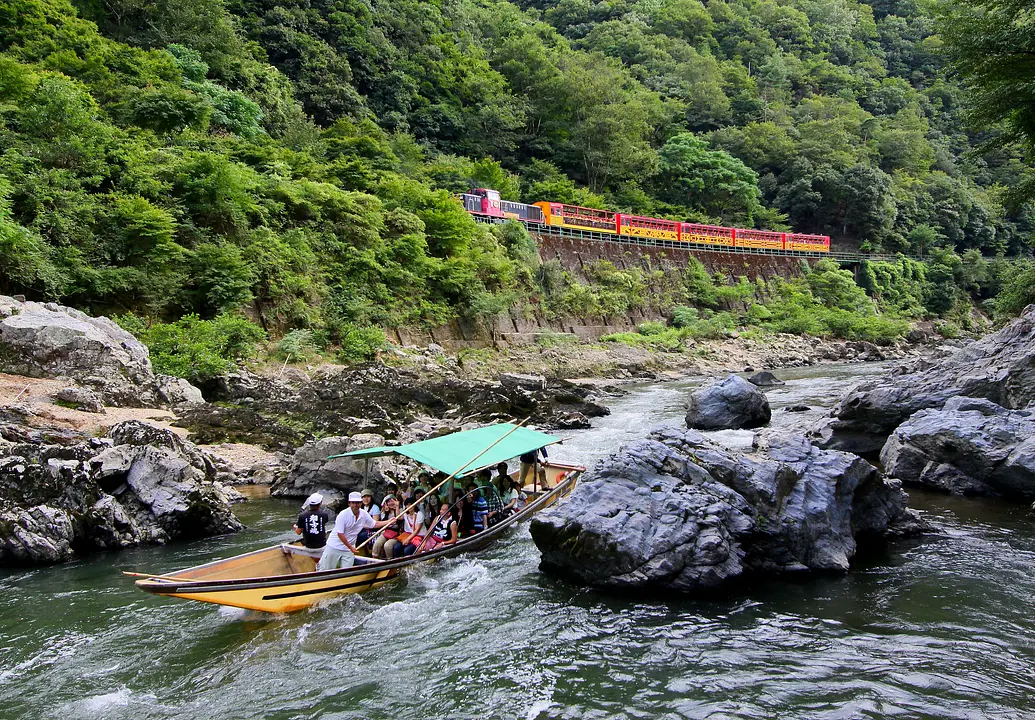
(69, 381)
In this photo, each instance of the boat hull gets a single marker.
(276, 580)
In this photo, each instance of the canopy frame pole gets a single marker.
(453, 475)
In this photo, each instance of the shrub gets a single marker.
(197, 349)
(651, 328)
(298, 345)
(683, 316)
(359, 343)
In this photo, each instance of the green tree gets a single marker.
(695, 176)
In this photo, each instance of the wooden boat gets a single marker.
(283, 578)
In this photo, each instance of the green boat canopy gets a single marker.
(453, 452)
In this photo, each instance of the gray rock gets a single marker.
(80, 399)
(1000, 367)
(57, 502)
(177, 391)
(36, 535)
(678, 512)
(48, 340)
(313, 470)
(731, 404)
(765, 379)
(797, 408)
(970, 447)
(525, 382)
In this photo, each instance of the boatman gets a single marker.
(312, 524)
(530, 462)
(341, 545)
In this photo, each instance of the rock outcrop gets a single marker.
(765, 379)
(731, 404)
(377, 399)
(969, 447)
(1000, 367)
(50, 340)
(139, 485)
(678, 512)
(313, 470)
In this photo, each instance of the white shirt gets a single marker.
(409, 525)
(349, 525)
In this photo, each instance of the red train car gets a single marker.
(656, 228)
(708, 234)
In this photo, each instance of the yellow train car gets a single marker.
(645, 227)
(579, 218)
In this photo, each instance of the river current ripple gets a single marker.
(938, 627)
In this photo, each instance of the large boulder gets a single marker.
(313, 469)
(731, 404)
(999, 367)
(678, 512)
(969, 447)
(140, 485)
(50, 340)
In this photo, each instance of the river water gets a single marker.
(940, 627)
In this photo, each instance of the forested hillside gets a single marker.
(295, 159)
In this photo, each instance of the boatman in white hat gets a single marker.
(341, 545)
(312, 524)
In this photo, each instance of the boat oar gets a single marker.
(455, 473)
(159, 577)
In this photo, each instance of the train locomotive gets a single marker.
(487, 202)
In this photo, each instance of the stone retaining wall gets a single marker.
(512, 329)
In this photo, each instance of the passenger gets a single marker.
(393, 489)
(465, 513)
(479, 508)
(503, 474)
(492, 497)
(431, 505)
(413, 530)
(412, 524)
(341, 545)
(445, 530)
(312, 524)
(515, 499)
(372, 509)
(530, 461)
(389, 513)
(502, 479)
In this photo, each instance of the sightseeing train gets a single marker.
(487, 202)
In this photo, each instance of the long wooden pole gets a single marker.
(159, 577)
(455, 473)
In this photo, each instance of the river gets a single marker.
(939, 627)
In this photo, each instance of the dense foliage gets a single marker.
(293, 161)
(993, 46)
